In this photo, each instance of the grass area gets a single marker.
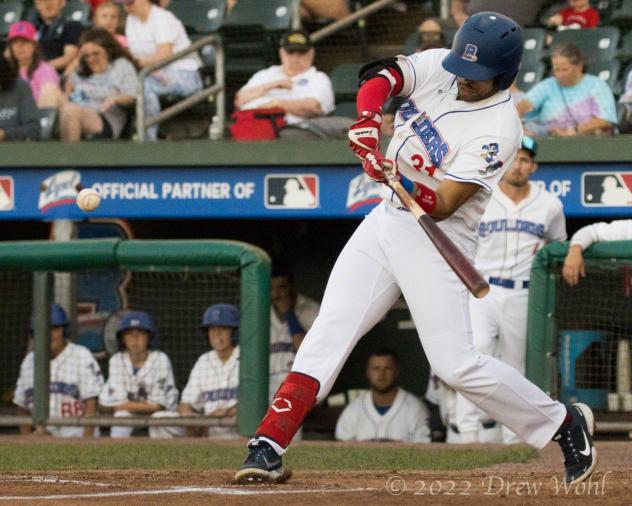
(186, 456)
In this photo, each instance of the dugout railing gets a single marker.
(578, 338)
(174, 280)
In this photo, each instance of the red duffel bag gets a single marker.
(257, 124)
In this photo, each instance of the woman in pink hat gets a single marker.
(25, 54)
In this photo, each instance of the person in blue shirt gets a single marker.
(570, 102)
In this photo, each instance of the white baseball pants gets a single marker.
(499, 329)
(387, 253)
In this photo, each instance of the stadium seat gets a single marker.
(530, 74)
(200, 17)
(273, 15)
(347, 109)
(48, 119)
(77, 11)
(623, 14)
(626, 47)
(596, 44)
(607, 71)
(533, 44)
(10, 12)
(344, 79)
(606, 9)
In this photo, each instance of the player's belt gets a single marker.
(508, 283)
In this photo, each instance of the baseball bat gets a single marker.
(457, 261)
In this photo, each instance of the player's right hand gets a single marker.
(364, 135)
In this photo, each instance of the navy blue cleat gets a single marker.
(580, 456)
(263, 465)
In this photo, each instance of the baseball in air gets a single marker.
(88, 199)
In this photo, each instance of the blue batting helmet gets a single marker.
(487, 46)
(224, 315)
(58, 317)
(138, 320)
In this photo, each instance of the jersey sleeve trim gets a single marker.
(408, 89)
(469, 180)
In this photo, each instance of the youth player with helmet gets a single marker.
(75, 380)
(520, 218)
(140, 379)
(212, 389)
(455, 135)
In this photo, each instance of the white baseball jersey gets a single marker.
(437, 137)
(309, 84)
(617, 230)
(213, 384)
(74, 377)
(510, 234)
(406, 420)
(281, 344)
(153, 382)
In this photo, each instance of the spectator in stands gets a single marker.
(291, 316)
(75, 381)
(19, 116)
(212, 389)
(431, 31)
(524, 12)
(569, 103)
(584, 238)
(386, 412)
(25, 54)
(140, 377)
(324, 9)
(153, 34)
(579, 14)
(101, 91)
(626, 101)
(57, 37)
(295, 86)
(108, 16)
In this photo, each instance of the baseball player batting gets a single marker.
(455, 135)
(518, 220)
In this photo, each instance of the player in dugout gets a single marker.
(455, 136)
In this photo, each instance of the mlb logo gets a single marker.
(606, 189)
(7, 193)
(291, 191)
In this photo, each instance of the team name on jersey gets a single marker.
(528, 227)
(428, 134)
(220, 394)
(58, 387)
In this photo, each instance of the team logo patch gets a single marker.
(606, 189)
(470, 53)
(363, 191)
(291, 191)
(7, 193)
(490, 155)
(59, 189)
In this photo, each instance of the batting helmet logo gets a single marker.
(288, 405)
(470, 53)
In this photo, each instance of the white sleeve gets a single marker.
(618, 230)
(91, 379)
(483, 161)
(418, 68)
(345, 426)
(556, 231)
(25, 381)
(164, 391)
(165, 28)
(257, 79)
(419, 428)
(113, 392)
(193, 389)
(322, 90)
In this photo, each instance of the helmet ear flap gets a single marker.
(504, 80)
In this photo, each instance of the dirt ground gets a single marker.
(536, 482)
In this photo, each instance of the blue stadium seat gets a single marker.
(344, 80)
(77, 11)
(607, 71)
(533, 48)
(596, 44)
(48, 119)
(623, 14)
(200, 17)
(530, 74)
(10, 12)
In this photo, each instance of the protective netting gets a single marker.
(16, 291)
(594, 329)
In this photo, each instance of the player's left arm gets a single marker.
(450, 196)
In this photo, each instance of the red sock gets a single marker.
(293, 400)
(566, 422)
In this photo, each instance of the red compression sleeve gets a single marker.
(374, 92)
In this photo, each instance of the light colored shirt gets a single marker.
(161, 27)
(558, 106)
(310, 84)
(617, 230)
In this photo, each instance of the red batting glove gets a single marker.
(373, 165)
(364, 135)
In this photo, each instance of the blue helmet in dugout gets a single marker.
(137, 320)
(487, 46)
(57, 318)
(223, 315)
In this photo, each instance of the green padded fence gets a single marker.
(601, 303)
(155, 257)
